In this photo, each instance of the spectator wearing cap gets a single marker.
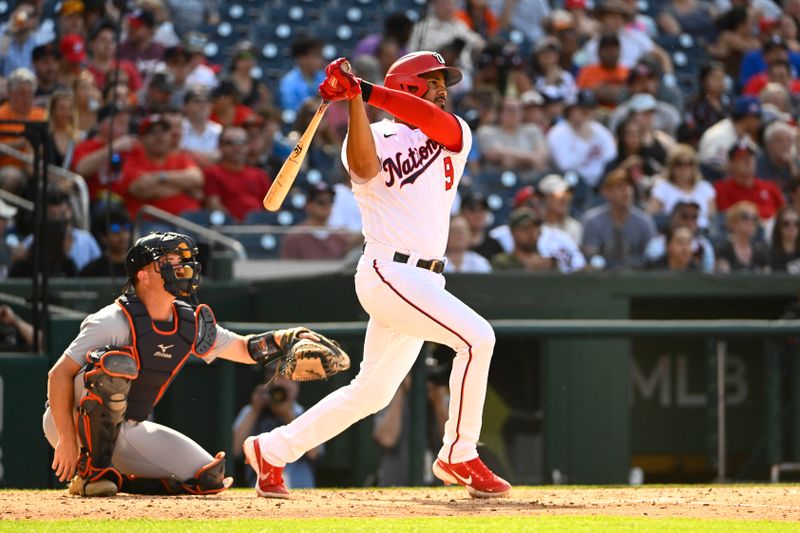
(475, 209)
(742, 184)
(313, 238)
(735, 39)
(62, 128)
(682, 181)
(231, 185)
(773, 48)
(139, 48)
(79, 246)
(586, 26)
(91, 158)
(459, 257)
(684, 214)
(19, 37)
(644, 109)
(70, 18)
(226, 109)
(73, 56)
(157, 94)
(301, 82)
(252, 92)
(779, 162)
(745, 122)
(743, 250)
(533, 112)
(537, 247)
(164, 33)
(549, 78)
(580, 143)
(478, 17)
(45, 66)
(200, 136)
(441, 27)
(642, 90)
(607, 78)
(617, 231)
(102, 62)
(710, 105)
(614, 17)
(21, 86)
(691, 17)
(556, 198)
(200, 73)
(161, 177)
(114, 232)
(511, 144)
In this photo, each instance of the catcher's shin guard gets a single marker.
(100, 414)
(210, 479)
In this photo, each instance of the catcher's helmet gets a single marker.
(182, 282)
(404, 74)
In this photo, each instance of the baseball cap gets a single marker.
(71, 7)
(45, 50)
(174, 52)
(101, 25)
(72, 48)
(547, 43)
(642, 102)
(531, 97)
(552, 185)
(765, 23)
(742, 147)
(585, 99)
(775, 42)
(194, 42)
(523, 195)
(7, 211)
(162, 81)
(473, 199)
(197, 92)
(150, 122)
(613, 6)
(318, 189)
(523, 216)
(574, 4)
(141, 17)
(746, 106)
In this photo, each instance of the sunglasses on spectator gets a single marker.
(236, 142)
(689, 216)
(749, 217)
(684, 163)
(790, 222)
(116, 228)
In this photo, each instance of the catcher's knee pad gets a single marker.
(209, 479)
(101, 411)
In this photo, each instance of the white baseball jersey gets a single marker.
(407, 205)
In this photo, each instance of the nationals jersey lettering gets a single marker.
(406, 168)
(407, 204)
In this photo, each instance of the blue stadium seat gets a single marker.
(260, 245)
(208, 218)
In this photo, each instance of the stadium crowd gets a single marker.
(657, 134)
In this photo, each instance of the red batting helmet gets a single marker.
(404, 74)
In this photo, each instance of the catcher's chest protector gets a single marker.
(161, 347)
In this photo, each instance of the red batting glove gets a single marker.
(347, 81)
(331, 91)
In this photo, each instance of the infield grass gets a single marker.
(540, 524)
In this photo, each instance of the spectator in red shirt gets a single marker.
(313, 238)
(102, 47)
(225, 106)
(160, 177)
(91, 157)
(779, 71)
(742, 184)
(231, 185)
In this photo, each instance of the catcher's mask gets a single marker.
(183, 279)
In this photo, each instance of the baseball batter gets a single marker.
(405, 174)
(104, 387)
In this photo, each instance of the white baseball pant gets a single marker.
(407, 305)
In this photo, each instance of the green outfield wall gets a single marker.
(582, 410)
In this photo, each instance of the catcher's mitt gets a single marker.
(307, 359)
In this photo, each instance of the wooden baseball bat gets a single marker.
(288, 172)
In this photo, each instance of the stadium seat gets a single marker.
(259, 245)
(208, 218)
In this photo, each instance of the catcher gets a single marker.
(104, 387)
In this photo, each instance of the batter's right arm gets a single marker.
(60, 396)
